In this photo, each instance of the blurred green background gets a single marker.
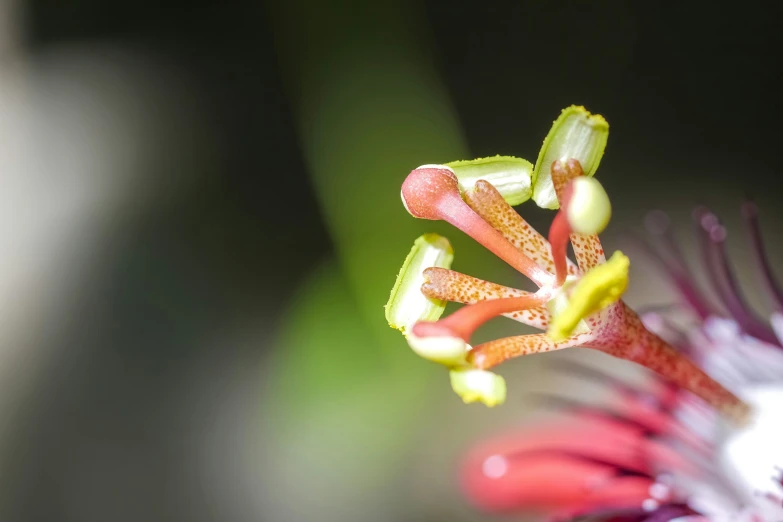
(201, 224)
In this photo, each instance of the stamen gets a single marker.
(406, 304)
(587, 247)
(564, 171)
(448, 285)
(511, 177)
(487, 201)
(432, 193)
(716, 259)
(467, 319)
(750, 213)
(596, 290)
(588, 251)
(575, 134)
(495, 352)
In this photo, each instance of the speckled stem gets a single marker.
(635, 343)
(457, 213)
(432, 192)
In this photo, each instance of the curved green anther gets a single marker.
(575, 134)
(407, 304)
(511, 176)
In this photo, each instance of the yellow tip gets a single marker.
(474, 385)
(597, 289)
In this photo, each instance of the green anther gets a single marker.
(575, 134)
(407, 304)
(511, 176)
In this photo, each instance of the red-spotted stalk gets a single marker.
(432, 192)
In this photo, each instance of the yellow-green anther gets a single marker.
(576, 134)
(589, 208)
(511, 176)
(449, 351)
(597, 289)
(474, 385)
(407, 304)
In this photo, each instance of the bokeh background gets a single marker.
(200, 223)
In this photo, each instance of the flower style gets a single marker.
(577, 304)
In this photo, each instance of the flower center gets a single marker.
(752, 456)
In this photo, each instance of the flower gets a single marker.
(703, 440)
(578, 305)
